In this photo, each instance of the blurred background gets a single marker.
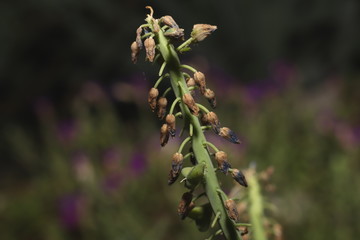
(79, 146)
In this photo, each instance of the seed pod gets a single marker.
(210, 96)
(190, 82)
(190, 102)
(156, 26)
(153, 94)
(134, 52)
(150, 48)
(213, 120)
(164, 135)
(231, 209)
(138, 37)
(170, 120)
(199, 78)
(161, 107)
(229, 135)
(172, 177)
(201, 31)
(168, 20)
(239, 177)
(177, 33)
(221, 159)
(177, 162)
(245, 231)
(185, 205)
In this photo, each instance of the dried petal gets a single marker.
(201, 31)
(153, 94)
(156, 25)
(161, 105)
(177, 161)
(138, 37)
(150, 48)
(170, 120)
(134, 52)
(213, 120)
(164, 135)
(210, 96)
(190, 102)
(229, 135)
(168, 20)
(239, 177)
(190, 82)
(173, 176)
(221, 159)
(231, 209)
(199, 78)
(177, 33)
(185, 205)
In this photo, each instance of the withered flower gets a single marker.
(210, 96)
(229, 135)
(138, 37)
(164, 135)
(213, 120)
(177, 162)
(190, 102)
(231, 209)
(170, 120)
(153, 94)
(168, 20)
(185, 205)
(173, 176)
(239, 177)
(134, 52)
(201, 31)
(199, 78)
(161, 107)
(190, 82)
(221, 159)
(150, 48)
(177, 33)
(156, 26)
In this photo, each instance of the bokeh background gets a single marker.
(79, 147)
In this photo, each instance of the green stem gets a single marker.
(185, 44)
(174, 104)
(166, 91)
(212, 146)
(243, 224)
(183, 144)
(160, 79)
(162, 68)
(210, 182)
(203, 108)
(189, 68)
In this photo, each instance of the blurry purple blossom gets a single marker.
(138, 163)
(66, 131)
(70, 210)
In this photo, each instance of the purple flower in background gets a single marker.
(70, 210)
(138, 163)
(67, 131)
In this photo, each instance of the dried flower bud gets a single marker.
(221, 159)
(173, 176)
(231, 209)
(177, 33)
(245, 231)
(161, 105)
(134, 52)
(190, 82)
(190, 102)
(153, 94)
(168, 20)
(138, 37)
(213, 120)
(170, 120)
(156, 25)
(164, 135)
(201, 31)
(229, 135)
(185, 205)
(150, 48)
(177, 161)
(239, 177)
(210, 96)
(199, 78)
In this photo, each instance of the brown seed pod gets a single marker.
(239, 177)
(152, 96)
(134, 52)
(210, 96)
(177, 33)
(231, 209)
(190, 102)
(173, 176)
(229, 135)
(221, 159)
(201, 31)
(168, 20)
(150, 48)
(200, 80)
(156, 26)
(190, 82)
(177, 161)
(138, 37)
(161, 107)
(164, 135)
(170, 120)
(213, 120)
(185, 205)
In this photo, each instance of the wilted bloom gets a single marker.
(213, 120)
(190, 102)
(173, 176)
(168, 20)
(153, 94)
(138, 37)
(156, 26)
(164, 135)
(170, 120)
(231, 209)
(201, 31)
(185, 205)
(150, 48)
(161, 105)
(177, 162)
(190, 82)
(221, 159)
(239, 177)
(177, 33)
(229, 135)
(199, 78)
(210, 96)
(134, 52)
